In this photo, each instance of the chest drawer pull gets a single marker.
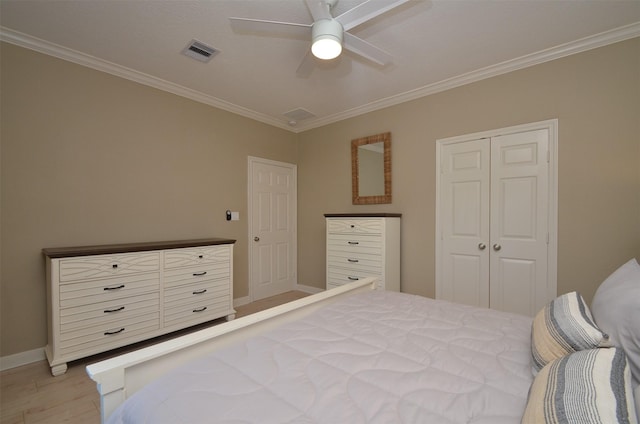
(109, 333)
(200, 310)
(353, 242)
(353, 261)
(121, 286)
(198, 274)
(200, 291)
(106, 311)
(200, 256)
(114, 266)
(353, 278)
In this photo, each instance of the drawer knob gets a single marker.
(109, 333)
(200, 256)
(353, 242)
(198, 274)
(200, 310)
(353, 278)
(121, 286)
(106, 311)
(353, 226)
(200, 291)
(114, 266)
(354, 261)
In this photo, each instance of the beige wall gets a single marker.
(89, 158)
(596, 98)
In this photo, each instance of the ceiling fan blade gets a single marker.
(306, 66)
(273, 27)
(366, 50)
(319, 9)
(366, 11)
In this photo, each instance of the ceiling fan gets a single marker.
(328, 34)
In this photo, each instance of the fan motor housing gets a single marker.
(326, 31)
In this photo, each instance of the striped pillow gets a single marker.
(562, 327)
(592, 386)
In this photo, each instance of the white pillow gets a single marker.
(616, 310)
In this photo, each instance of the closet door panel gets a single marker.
(465, 223)
(519, 221)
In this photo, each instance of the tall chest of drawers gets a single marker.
(104, 297)
(363, 245)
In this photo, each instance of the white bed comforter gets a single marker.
(378, 357)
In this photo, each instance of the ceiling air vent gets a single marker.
(199, 51)
(297, 115)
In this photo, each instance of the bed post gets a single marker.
(112, 391)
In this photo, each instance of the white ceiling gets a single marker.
(436, 44)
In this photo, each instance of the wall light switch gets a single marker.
(235, 216)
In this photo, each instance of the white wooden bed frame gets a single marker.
(119, 377)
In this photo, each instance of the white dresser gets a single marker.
(363, 245)
(104, 297)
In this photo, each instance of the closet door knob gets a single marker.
(482, 246)
(256, 238)
(497, 247)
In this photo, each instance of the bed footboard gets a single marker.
(118, 378)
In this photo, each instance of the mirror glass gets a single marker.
(371, 169)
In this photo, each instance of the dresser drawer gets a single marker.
(177, 258)
(96, 291)
(371, 245)
(101, 337)
(196, 291)
(182, 276)
(101, 266)
(110, 311)
(342, 276)
(196, 312)
(354, 226)
(356, 262)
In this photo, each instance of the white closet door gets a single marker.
(519, 222)
(465, 222)
(494, 222)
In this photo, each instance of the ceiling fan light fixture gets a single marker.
(327, 39)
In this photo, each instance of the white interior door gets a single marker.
(519, 222)
(495, 207)
(465, 224)
(272, 231)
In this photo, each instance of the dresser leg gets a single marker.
(231, 317)
(59, 369)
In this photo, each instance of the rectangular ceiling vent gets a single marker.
(199, 51)
(299, 114)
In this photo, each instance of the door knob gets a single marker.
(256, 238)
(497, 247)
(482, 246)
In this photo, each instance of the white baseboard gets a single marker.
(241, 301)
(22, 358)
(307, 289)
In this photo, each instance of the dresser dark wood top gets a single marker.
(363, 215)
(63, 252)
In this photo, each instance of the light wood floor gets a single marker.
(29, 394)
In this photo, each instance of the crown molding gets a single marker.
(588, 43)
(563, 50)
(60, 52)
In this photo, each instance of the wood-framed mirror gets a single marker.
(371, 169)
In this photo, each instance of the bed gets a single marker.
(359, 355)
